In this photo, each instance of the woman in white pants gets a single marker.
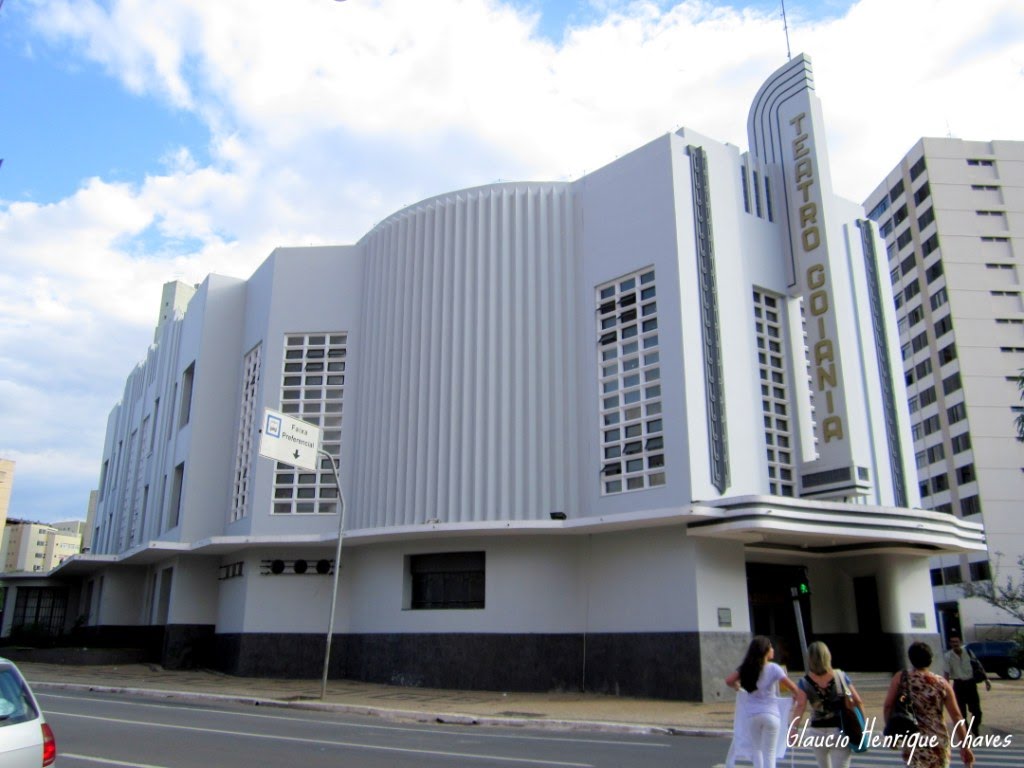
(761, 678)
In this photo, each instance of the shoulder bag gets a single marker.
(977, 670)
(851, 719)
(902, 720)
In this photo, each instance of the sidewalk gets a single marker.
(1003, 706)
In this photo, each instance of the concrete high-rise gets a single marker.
(952, 216)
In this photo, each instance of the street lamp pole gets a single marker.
(337, 570)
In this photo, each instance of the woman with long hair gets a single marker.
(929, 693)
(826, 688)
(761, 678)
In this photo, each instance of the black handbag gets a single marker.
(902, 720)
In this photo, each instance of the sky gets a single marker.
(144, 142)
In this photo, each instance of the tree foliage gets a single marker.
(1007, 595)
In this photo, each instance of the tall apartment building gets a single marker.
(6, 485)
(952, 217)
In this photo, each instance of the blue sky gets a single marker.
(145, 142)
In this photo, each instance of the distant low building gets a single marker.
(30, 547)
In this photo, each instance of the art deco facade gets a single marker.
(952, 215)
(590, 436)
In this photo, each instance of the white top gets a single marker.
(763, 698)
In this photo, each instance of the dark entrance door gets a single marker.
(948, 616)
(769, 590)
(865, 596)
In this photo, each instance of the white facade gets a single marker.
(952, 214)
(595, 430)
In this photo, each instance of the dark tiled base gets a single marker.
(660, 665)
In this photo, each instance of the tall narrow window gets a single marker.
(629, 384)
(186, 395)
(174, 512)
(769, 332)
(312, 389)
(246, 438)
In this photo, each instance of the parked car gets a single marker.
(26, 740)
(1001, 657)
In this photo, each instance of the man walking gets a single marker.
(961, 673)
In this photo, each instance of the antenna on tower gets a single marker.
(785, 27)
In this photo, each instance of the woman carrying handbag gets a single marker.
(928, 693)
(826, 690)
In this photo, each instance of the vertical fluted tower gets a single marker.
(465, 408)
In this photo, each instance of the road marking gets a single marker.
(106, 761)
(367, 726)
(323, 742)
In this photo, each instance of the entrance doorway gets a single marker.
(769, 591)
(947, 615)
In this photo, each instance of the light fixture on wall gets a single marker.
(558, 515)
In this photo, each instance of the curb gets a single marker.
(397, 715)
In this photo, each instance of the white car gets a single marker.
(26, 741)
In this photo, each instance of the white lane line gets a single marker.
(360, 726)
(106, 761)
(330, 742)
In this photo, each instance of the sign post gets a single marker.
(296, 442)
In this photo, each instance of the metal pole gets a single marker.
(337, 571)
(800, 624)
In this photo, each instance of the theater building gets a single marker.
(590, 436)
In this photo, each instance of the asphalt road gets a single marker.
(119, 730)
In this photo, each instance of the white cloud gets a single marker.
(326, 117)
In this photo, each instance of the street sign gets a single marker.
(289, 440)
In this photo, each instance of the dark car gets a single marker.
(1001, 657)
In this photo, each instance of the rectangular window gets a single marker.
(930, 245)
(951, 384)
(933, 272)
(965, 474)
(245, 446)
(961, 443)
(939, 298)
(312, 389)
(186, 395)
(447, 580)
(943, 326)
(927, 396)
(896, 191)
(879, 209)
(907, 265)
(926, 218)
(947, 354)
(956, 413)
(903, 240)
(922, 194)
(768, 327)
(917, 169)
(174, 511)
(630, 389)
(951, 574)
(970, 506)
(980, 163)
(980, 571)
